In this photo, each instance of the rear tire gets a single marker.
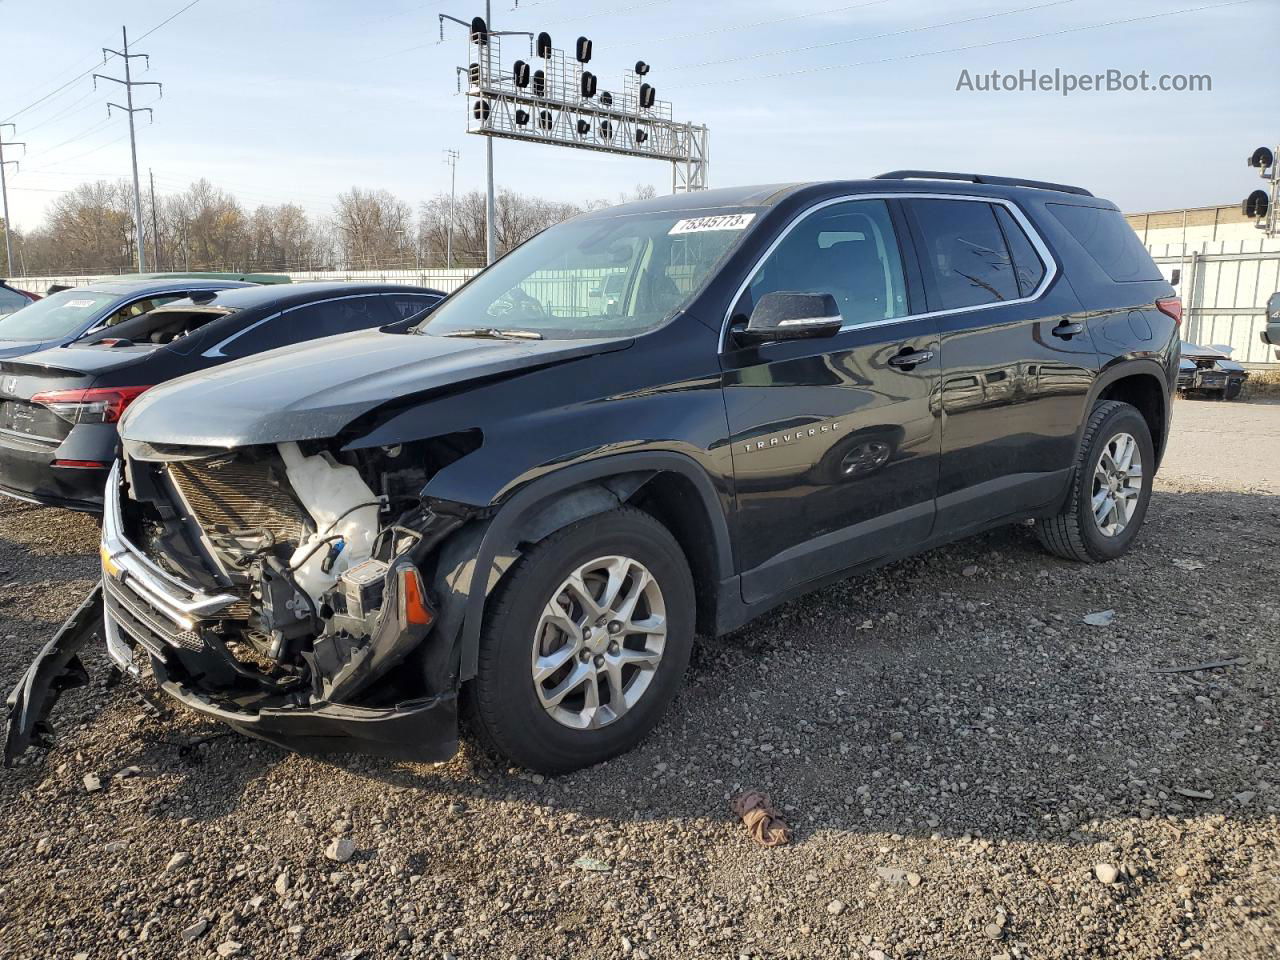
(566, 676)
(1110, 488)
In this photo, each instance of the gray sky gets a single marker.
(291, 101)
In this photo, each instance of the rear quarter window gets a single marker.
(1109, 240)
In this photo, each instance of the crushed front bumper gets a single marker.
(140, 606)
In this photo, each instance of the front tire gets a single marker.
(1110, 488)
(584, 644)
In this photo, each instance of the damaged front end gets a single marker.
(284, 589)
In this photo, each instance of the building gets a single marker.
(1226, 270)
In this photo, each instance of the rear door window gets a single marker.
(403, 306)
(964, 257)
(311, 322)
(1107, 237)
(1027, 265)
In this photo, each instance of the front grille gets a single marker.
(146, 625)
(239, 495)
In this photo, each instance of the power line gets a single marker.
(79, 136)
(166, 20)
(734, 27)
(971, 46)
(101, 146)
(878, 36)
(85, 73)
(619, 12)
(66, 111)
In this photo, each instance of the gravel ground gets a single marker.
(964, 759)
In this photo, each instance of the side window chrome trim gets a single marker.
(1033, 235)
(217, 349)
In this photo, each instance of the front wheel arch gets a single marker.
(534, 512)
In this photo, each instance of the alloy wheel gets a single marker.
(1117, 484)
(598, 642)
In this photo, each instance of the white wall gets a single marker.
(446, 280)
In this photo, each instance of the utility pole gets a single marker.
(155, 220)
(490, 208)
(451, 158)
(4, 191)
(129, 83)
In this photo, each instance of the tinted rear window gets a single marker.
(1108, 238)
(965, 259)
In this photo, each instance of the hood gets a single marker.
(313, 390)
(1195, 350)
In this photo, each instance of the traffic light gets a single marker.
(1260, 205)
(1256, 205)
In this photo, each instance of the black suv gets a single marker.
(531, 501)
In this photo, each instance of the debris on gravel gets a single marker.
(954, 754)
(340, 850)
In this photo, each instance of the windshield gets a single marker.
(600, 277)
(56, 316)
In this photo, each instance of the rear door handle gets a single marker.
(1067, 330)
(910, 358)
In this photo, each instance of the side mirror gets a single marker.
(792, 316)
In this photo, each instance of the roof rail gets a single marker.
(982, 178)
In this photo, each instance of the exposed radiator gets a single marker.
(230, 494)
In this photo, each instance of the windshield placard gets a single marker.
(728, 221)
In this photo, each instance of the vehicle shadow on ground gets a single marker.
(955, 692)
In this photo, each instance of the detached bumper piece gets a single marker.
(55, 669)
(425, 731)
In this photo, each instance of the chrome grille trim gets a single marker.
(179, 602)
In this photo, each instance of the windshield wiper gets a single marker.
(493, 333)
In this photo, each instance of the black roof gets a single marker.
(283, 295)
(131, 288)
(899, 181)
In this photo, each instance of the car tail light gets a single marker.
(80, 464)
(1171, 307)
(96, 405)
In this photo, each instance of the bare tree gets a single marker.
(284, 238)
(372, 228)
(516, 217)
(90, 228)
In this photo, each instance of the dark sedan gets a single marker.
(59, 407)
(13, 299)
(68, 315)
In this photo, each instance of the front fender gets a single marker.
(525, 515)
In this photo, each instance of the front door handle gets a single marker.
(1068, 329)
(909, 359)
